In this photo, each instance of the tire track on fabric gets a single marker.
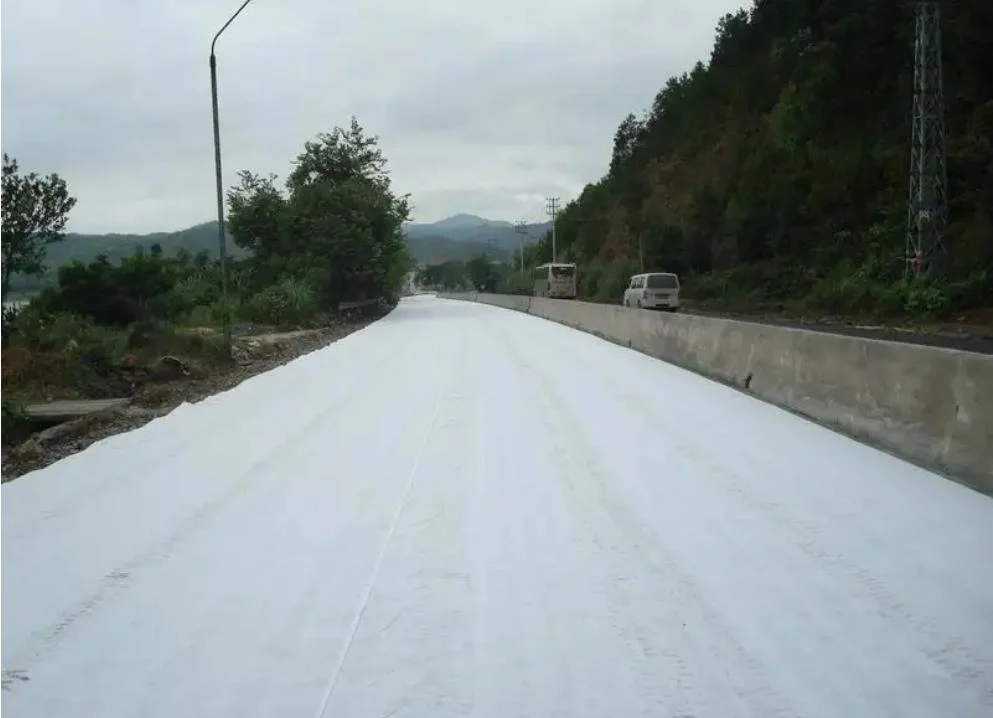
(752, 686)
(953, 654)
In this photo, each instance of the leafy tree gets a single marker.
(337, 226)
(256, 216)
(91, 290)
(147, 286)
(449, 275)
(482, 273)
(625, 143)
(769, 169)
(339, 156)
(35, 211)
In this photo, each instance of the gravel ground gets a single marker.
(254, 354)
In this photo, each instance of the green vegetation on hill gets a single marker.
(115, 247)
(436, 242)
(775, 175)
(464, 236)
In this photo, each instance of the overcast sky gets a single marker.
(481, 107)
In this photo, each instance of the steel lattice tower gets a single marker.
(927, 208)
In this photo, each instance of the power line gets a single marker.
(927, 206)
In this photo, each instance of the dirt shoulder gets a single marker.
(188, 383)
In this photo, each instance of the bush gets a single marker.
(67, 334)
(614, 280)
(16, 424)
(926, 299)
(10, 314)
(288, 302)
(189, 294)
(705, 287)
(514, 283)
(55, 352)
(211, 315)
(974, 291)
(588, 281)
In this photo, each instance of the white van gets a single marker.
(655, 290)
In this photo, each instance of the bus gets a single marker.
(556, 280)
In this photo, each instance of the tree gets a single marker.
(625, 142)
(769, 166)
(482, 273)
(256, 214)
(339, 156)
(35, 211)
(446, 276)
(337, 227)
(136, 290)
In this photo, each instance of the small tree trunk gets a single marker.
(6, 279)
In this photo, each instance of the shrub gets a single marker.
(588, 281)
(514, 283)
(926, 299)
(974, 291)
(10, 314)
(191, 293)
(60, 352)
(288, 302)
(16, 424)
(615, 279)
(68, 334)
(705, 287)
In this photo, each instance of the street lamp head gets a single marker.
(225, 27)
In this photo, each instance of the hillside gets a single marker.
(775, 172)
(460, 237)
(199, 238)
(86, 247)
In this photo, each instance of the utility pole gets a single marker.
(521, 228)
(222, 250)
(927, 206)
(552, 206)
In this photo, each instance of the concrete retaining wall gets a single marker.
(929, 405)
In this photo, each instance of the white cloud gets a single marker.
(480, 108)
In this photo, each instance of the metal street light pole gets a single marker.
(221, 238)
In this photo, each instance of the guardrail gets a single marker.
(930, 405)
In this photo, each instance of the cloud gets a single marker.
(480, 107)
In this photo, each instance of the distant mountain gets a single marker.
(87, 247)
(459, 237)
(464, 235)
(464, 221)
